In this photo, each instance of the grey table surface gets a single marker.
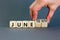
(7, 33)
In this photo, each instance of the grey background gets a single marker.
(19, 10)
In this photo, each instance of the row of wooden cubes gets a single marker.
(28, 24)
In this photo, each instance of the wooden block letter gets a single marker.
(31, 24)
(19, 24)
(37, 23)
(25, 23)
(44, 23)
(12, 24)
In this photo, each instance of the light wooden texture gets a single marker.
(12, 23)
(29, 24)
(19, 24)
(25, 24)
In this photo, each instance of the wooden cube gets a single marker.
(19, 24)
(12, 24)
(31, 24)
(37, 24)
(44, 24)
(25, 24)
(43, 20)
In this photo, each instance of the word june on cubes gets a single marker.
(29, 24)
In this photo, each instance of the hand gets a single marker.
(38, 4)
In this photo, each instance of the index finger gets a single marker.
(34, 10)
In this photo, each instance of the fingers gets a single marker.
(32, 5)
(51, 12)
(34, 8)
(37, 5)
(34, 15)
(31, 9)
(50, 15)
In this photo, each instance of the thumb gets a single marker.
(50, 15)
(52, 9)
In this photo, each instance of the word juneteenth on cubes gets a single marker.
(29, 24)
